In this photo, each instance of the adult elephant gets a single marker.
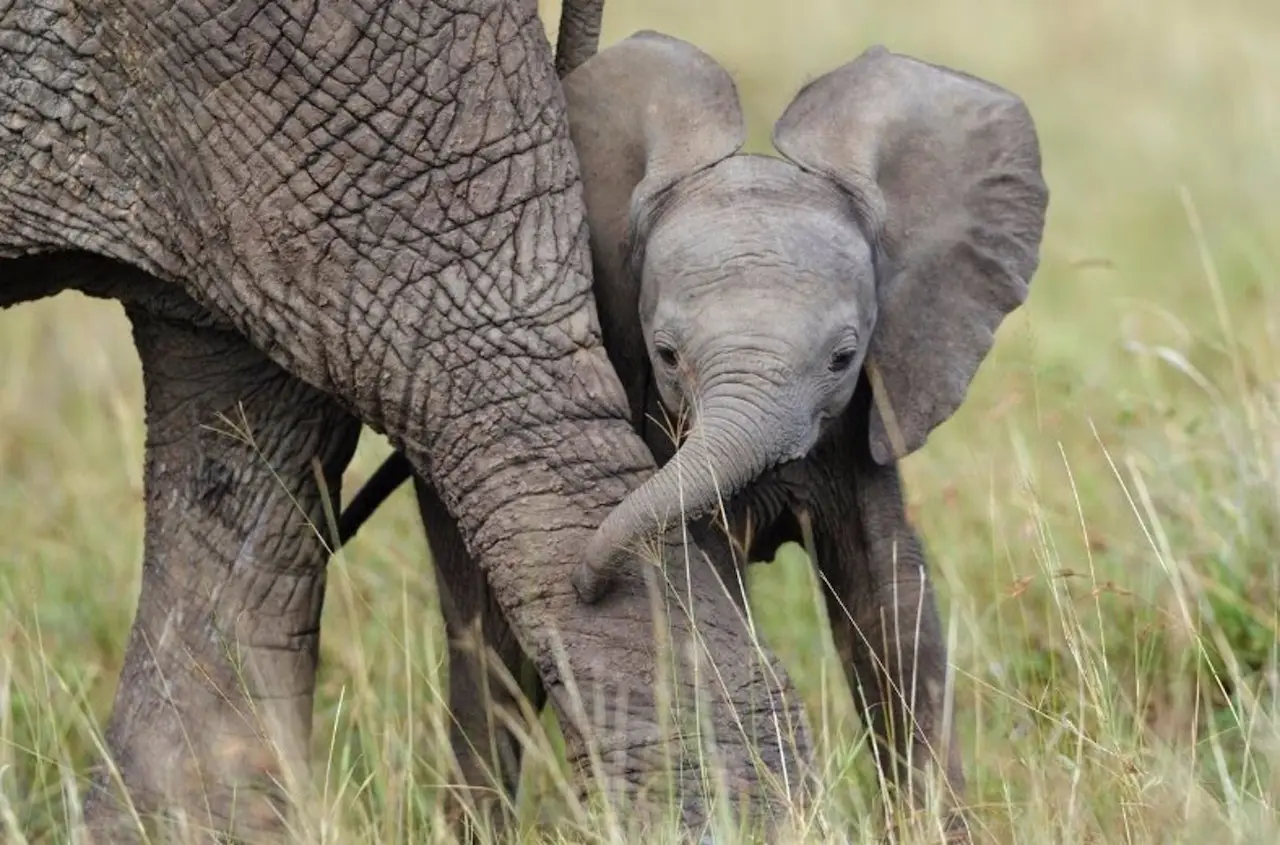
(317, 215)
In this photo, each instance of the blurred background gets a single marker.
(1102, 515)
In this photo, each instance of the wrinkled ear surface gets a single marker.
(944, 169)
(644, 114)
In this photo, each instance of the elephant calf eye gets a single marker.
(841, 361)
(668, 356)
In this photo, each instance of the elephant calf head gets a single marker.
(900, 227)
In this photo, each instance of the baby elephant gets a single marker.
(901, 227)
(811, 319)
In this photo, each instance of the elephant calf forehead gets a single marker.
(759, 240)
(758, 212)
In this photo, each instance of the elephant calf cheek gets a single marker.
(213, 711)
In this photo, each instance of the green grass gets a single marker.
(1102, 515)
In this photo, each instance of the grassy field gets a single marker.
(1102, 514)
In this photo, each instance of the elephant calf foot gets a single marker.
(212, 717)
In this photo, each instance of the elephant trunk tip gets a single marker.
(593, 575)
(724, 454)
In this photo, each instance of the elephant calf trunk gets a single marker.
(726, 451)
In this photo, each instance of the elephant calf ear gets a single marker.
(944, 168)
(644, 114)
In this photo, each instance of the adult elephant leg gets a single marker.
(488, 670)
(212, 716)
(884, 618)
(488, 675)
(579, 36)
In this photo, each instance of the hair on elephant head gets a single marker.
(900, 226)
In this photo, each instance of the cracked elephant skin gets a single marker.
(318, 215)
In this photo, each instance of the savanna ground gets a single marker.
(1101, 515)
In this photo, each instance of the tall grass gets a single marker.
(1101, 515)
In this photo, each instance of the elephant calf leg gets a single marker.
(485, 663)
(885, 626)
(213, 710)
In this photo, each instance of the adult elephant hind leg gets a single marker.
(488, 674)
(212, 716)
(886, 628)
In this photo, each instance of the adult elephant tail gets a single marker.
(393, 472)
(579, 37)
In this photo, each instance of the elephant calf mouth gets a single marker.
(776, 471)
(770, 518)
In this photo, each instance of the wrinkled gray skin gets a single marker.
(904, 227)
(319, 215)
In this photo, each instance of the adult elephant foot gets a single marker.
(212, 717)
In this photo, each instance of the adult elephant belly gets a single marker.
(373, 213)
